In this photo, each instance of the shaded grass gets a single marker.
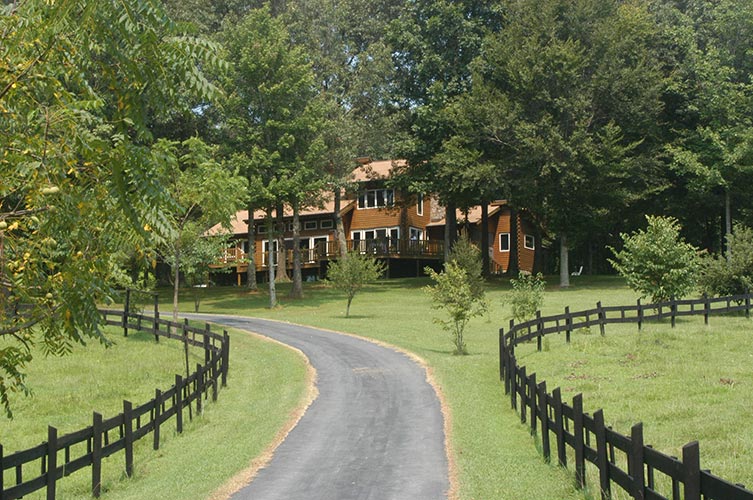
(265, 382)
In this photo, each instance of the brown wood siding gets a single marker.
(526, 256)
(500, 222)
(370, 218)
(419, 221)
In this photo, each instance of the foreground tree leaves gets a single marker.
(79, 84)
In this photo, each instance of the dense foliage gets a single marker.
(527, 296)
(733, 274)
(656, 262)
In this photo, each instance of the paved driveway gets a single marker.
(374, 432)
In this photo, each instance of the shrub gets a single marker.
(453, 292)
(352, 272)
(657, 262)
(734, 277)
(527, 296)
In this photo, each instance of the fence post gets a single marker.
(502, 357)
(640, 315)
(156, 317)
(207, 329)
(52, 461)
(601, 454)
(2, 469)
(538, 330)
(225, 357)
(126, 309)
(523, 394)
(157, 417)
(600, 314)
(179, 403)
(580, 464)
(559, 427)
(568, 323)
(513, 384)
(691, 463)
(97, 455)
(706, 309)
(532, 397)
(128, 436)
(199, 387)
(544, 416)
(635, 461)
(747, 304)
(673, 311)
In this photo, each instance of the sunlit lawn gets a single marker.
(265, 383)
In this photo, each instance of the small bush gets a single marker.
(721, 277)
(352, 272)
(657, 262)
(527, 296)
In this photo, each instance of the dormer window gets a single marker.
(376, 198)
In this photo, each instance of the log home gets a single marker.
(404, 229)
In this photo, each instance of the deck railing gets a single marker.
(381, 248)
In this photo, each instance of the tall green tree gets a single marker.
(81, 83)
(565, 98)
(270, 118)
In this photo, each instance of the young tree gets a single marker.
(657, 262)
(730, 274)
(459, 290)
(82, 83)
(350, 273)
(204, 193)
(527, 296)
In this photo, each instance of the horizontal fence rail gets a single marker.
(625, 461)
(60, 456)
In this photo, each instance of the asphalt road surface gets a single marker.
(375, 431)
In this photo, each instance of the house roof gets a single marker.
(375, 170)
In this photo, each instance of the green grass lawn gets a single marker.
(265, 383)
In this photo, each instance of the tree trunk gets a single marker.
(564, 262)
(450, 229)
(271, 255)
(251, 247)
(282, 254)
(342, 242)
(176, 283)
(484, 240)
(727, 223)
(296, 291)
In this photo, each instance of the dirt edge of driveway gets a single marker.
(244, 477)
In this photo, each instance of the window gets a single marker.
(376, 240)
(416, 234)
(529, 242)
(261, 229)
(326, 223)
(420, 204)
(504, 242)
(290, 227)
(309, 225)
(265, 252)
(376, 198)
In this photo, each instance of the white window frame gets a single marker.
(326, 224)
(261, 229)
(526, 244)
(367, 243)
(265, 251)
(420, 204)
(367, 201)
(310, 225)
(415, 231)
(505, 236)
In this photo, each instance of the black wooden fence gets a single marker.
(42, 466)
(649, 472)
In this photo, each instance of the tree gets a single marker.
(82, 83)
(459, 290)
(351, 272)
(270, 118)
(730, 274)
(657, 262)
(204, 193)
(564, 103)
(527, 296)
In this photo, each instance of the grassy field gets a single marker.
(266, 381)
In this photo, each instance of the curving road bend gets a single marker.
(375, 432)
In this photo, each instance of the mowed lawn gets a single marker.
(266, 383)
(625, 373)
